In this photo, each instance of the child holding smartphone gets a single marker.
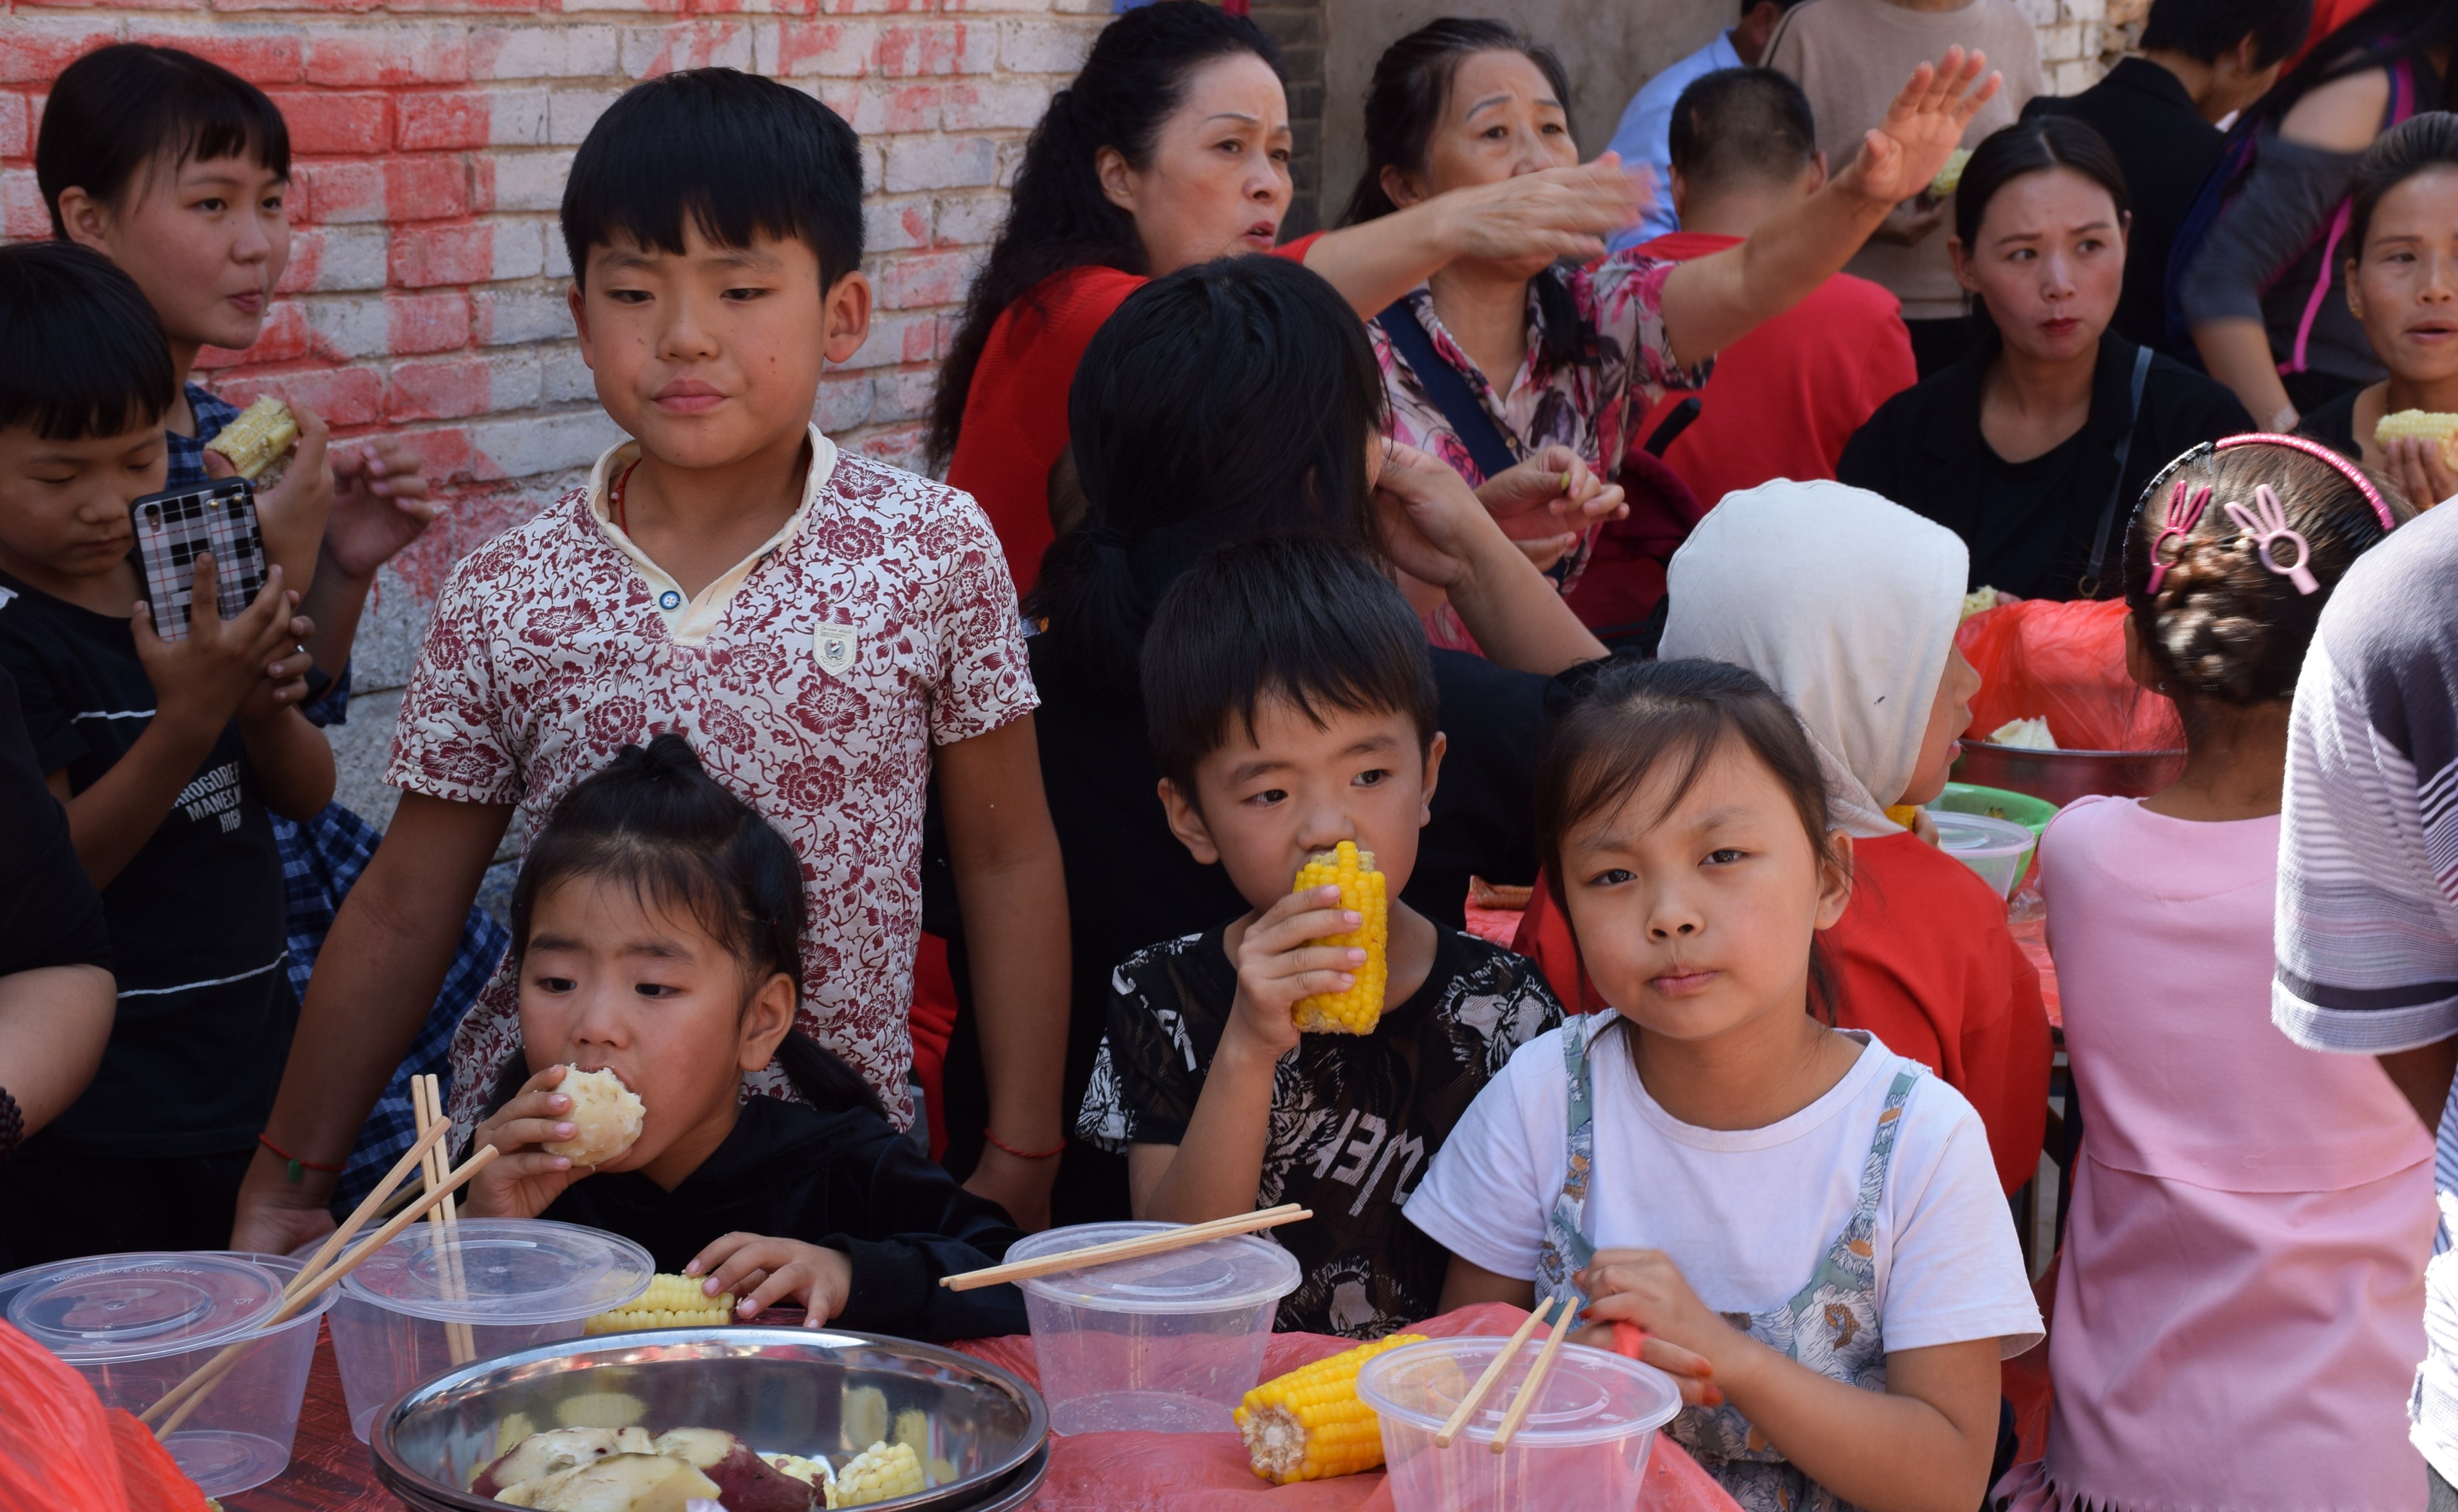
(169, 755)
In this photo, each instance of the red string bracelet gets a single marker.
(1051, 1154)
(292, 1173)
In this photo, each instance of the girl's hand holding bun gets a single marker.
(525, 1179)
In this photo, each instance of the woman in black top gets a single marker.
(2034, 445)
(1226, 401)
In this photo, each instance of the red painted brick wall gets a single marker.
(424, 293)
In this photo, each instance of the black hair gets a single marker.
(2033, 146)
(1304, 618)
(1229, 400)
(1403, 105)
(1741, 124)
(740, 156)
(654, 819)
(2205, 28)
(118, 109)
(1058, 217)
(2223, 626)
(81, 352)
(1638, 716)
(2415, 145)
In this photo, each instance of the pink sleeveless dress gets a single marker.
(2241, 1306)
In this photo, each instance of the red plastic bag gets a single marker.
(60, 1450)
(2064, 663)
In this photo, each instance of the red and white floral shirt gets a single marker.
(814, 681)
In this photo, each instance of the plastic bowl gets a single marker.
(137, 1325)
(1165, 1344)
(515, 1283)
(1998, 850)
(1583, 1443)
(1996, 803)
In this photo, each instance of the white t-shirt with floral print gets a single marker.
(814, 681)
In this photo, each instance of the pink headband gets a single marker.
(2313, 448)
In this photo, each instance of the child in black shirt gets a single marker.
(656, 927)
(1292, 707)
(167, 756)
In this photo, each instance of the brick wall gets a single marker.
(424, 292)
(2081, 38)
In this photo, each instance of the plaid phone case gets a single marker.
(174, 526)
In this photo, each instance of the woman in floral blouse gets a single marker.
(1570, 356)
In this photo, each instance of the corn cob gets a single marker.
(263, 432)
(1950, 174)
(1361, 889)
(2421, 422)
(880, 1473)
(671, 1301)
(1309, 1424)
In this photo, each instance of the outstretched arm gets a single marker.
(1715, 301)
(1559, 212)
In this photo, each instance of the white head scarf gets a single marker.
(1844, 603)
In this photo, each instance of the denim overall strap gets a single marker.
(1566, 1251)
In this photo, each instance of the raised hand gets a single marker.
(379, 507)
(1923, 127)
(1534, 219)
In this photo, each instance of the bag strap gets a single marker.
(2090, 586)
(1469, 419)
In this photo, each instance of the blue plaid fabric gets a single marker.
(321, 860)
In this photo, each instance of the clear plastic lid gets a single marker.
(1219, 1276)
(1589, 1396)
(503, 1272)
(120, 1307)
(1979, 835)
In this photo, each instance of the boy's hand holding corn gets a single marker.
(1279, 963)
(763, 1270)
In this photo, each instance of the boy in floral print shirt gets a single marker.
(828, 632)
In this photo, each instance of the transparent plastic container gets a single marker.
(512, 1282)
(137, 1325)
(1165, 1344)
(1997, 850)
(1584, 1443)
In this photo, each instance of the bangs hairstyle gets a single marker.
(81, 353)
(120, 110)
(2223, 626)
(736, 156)
(1302, 618)
(2036, 146)
(1638, 718)
(1230, 399)
(2416, 145)
(654, 819)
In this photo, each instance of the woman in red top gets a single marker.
(1171, 148)
(1847, 605)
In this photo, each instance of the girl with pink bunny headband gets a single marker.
(2237, 1201)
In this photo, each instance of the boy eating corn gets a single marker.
(1291, 705)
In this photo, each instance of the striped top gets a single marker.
(2367, 922)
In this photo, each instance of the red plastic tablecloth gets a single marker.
(330, 1471)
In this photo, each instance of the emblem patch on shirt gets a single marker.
(836, 645)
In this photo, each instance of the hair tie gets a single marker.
(2267, 522)
(1107, 538)
(2183, 514)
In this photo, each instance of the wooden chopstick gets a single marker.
(444, 1221)
(201, 1381)
(1135, 1249)
(1475, 1397)
(1535, 1380)
(309, 1272)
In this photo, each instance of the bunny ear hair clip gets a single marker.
(2184, 511)
(2267, 522)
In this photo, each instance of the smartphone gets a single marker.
(177, 525)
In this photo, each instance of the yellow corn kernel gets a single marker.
(671, 1301)
(880, 1473)
(1950, 174)
(2421, 422)
(257, 438)
(1902, 814)
(1362, 890)
(1309, 1423)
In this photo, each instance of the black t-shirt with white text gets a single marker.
(205, 1012)
(1356, 1118)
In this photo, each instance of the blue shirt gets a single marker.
(1646, 124)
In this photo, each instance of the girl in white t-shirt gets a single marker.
(1806, 1227)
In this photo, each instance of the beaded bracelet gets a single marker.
(292, 1171)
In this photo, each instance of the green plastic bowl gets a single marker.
(1996, 803)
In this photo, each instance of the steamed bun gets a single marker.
(605, 1114)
